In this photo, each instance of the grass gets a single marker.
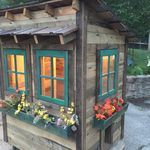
(140, 62)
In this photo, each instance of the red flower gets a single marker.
(100, 116)
(108, 101)
(96, 107)
(121, 100)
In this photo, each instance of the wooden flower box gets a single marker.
(52, 128)
(103, 124)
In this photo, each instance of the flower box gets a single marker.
(52, 128)
(103, 124)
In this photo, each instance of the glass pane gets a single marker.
(104, 85)
(46, 87)
(45, 66)
(12, 80)
(21, 82)
(59, 89)
(11, 62)
(105, 65)
(111, 82)
(112, 63)
(20, 63)
(58, 67)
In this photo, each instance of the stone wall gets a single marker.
(138, 87)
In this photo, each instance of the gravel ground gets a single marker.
(137, 126)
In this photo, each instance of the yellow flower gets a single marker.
(45, 116)
(17, 112)
(62, 109)
(39, 104)
(72, 104)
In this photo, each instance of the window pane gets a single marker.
(104, 85)
(11, 62)
(112, 63)
(58, 67)
(111, 82)
(12, 80)
(105, 65)
(20, 63)
(45, 66)
(21, 82)
(59, 89)
(46, 87)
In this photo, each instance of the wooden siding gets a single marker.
(63, 16)
(101, 35)
(25, 137)
(106, 39)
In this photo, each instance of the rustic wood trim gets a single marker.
(15, 38)
(125, 69)
(36, 39)
(27, 13)
(4, 119)
(122, 126)
(75, 5)
(81, 60)
(9, 16)
(102, 139)
(49, 10)
(68, 38)
(29, 73)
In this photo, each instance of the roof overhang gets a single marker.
(65, 34)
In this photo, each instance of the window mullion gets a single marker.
(52, 80)
(16, 71)
(108, 78)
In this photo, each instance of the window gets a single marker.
(15, 69)
(52, 75)
(108, 72)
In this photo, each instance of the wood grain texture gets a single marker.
(23, 135)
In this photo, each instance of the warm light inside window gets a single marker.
(52, 76)
(16, 77)
(108, 66)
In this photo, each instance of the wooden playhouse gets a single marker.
(59, 52)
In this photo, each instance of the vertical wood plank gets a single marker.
(2, 93)
(102, 139)
(29, 73)
(81, 60)
(125, 70)
(122, 126)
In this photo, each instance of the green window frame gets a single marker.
(109, 54)
(52, 54)
(15, 52)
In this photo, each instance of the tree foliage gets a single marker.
(135, 13)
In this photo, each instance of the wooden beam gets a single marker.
(49, 10)
(36, 39)
(16, 39)
(27, 13)
(68, 38)
(75, 5)
(9, 16)
(81, 65)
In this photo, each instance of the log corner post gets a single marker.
(81, 60)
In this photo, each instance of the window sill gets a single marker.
(103, 124)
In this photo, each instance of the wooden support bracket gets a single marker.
(36, 39)
(27, 13)
(9, 16)
(68, 38)
(16, 39)
(75, 5)
(49, 10)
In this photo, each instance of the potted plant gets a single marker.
(108, 112)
